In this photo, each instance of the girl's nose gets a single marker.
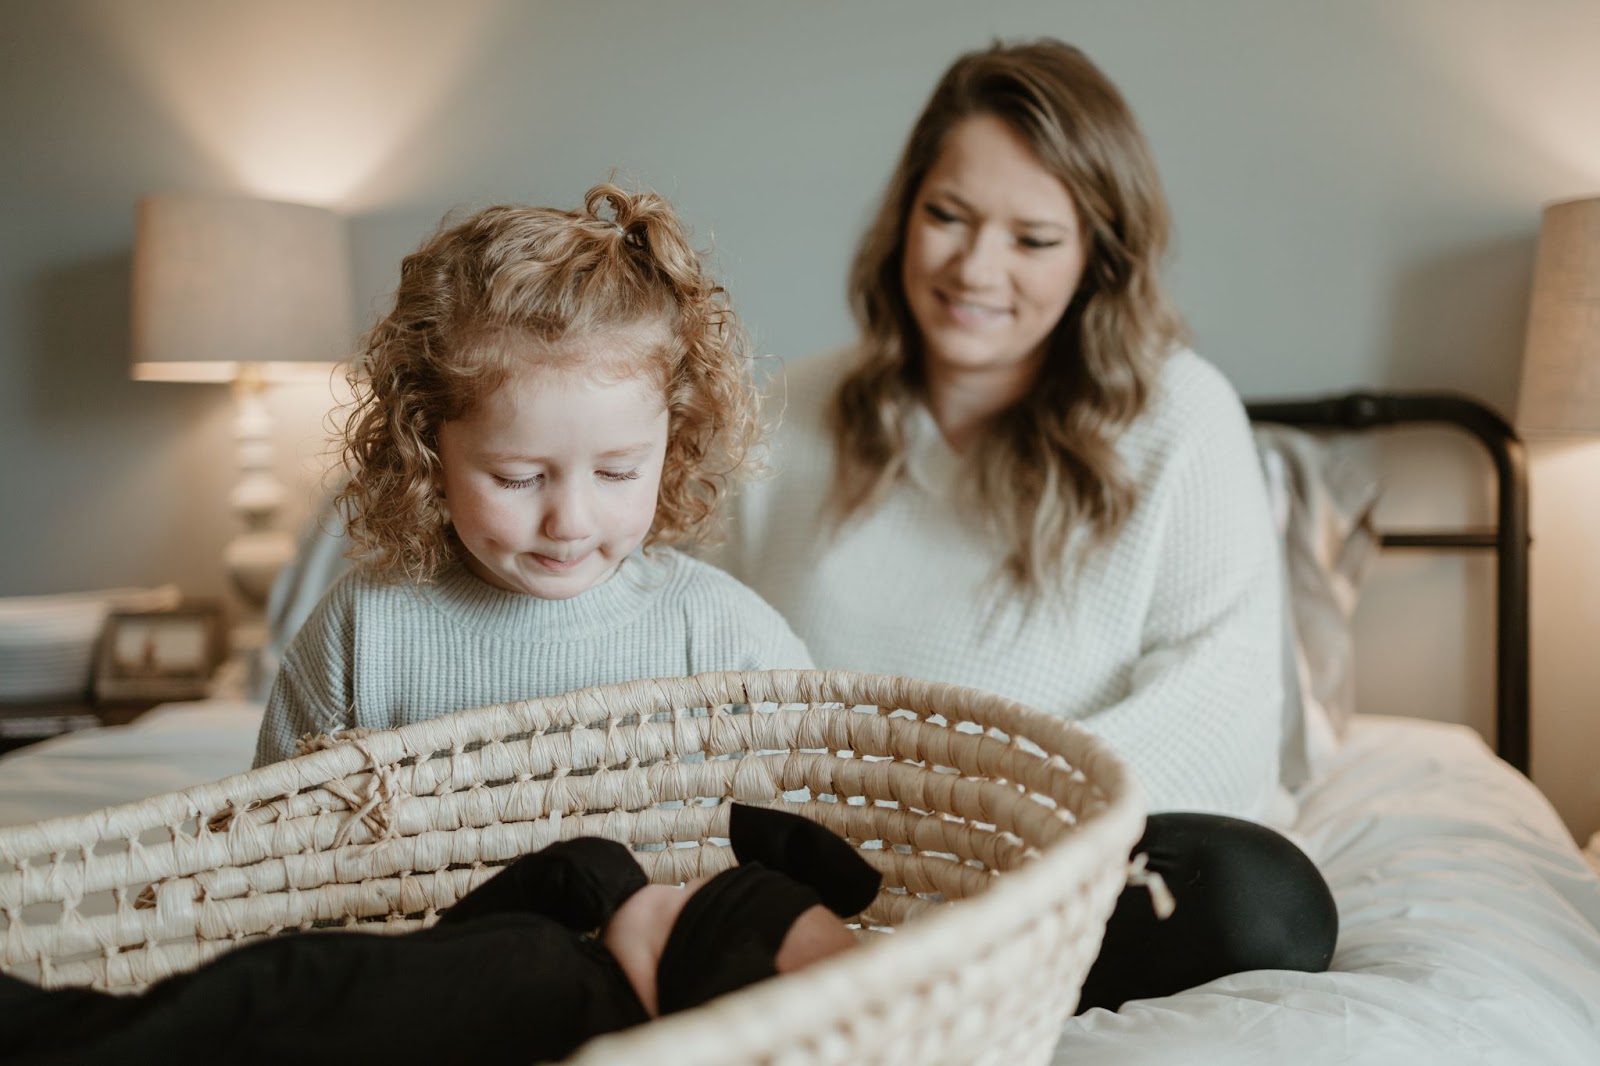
(569, 512)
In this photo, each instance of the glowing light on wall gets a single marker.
(1525, 64)
(304, 101)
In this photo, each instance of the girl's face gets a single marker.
(993, 253)
(552, 480)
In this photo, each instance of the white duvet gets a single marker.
(167, 748)
(1469, 923)
(1469, 929)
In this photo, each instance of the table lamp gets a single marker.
(1560, 393)
(247, 292)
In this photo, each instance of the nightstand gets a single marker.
(25, 723)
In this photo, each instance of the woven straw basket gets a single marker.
(1002, 834)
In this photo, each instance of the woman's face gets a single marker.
(993, 253)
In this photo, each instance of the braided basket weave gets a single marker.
(1002, 834)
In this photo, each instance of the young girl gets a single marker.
(555, 397)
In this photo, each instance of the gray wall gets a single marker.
(1356, 186)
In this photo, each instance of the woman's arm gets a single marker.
(1201, 719)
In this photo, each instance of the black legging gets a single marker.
(1247, 899)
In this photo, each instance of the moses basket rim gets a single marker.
(922, 993)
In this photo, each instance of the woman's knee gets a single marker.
(1251, 893)
(1246, 899)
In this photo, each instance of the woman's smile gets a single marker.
(972, 314)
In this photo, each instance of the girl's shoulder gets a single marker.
(700, 585)
(359, 591)
(359, 583)
(728, 624)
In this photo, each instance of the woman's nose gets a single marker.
(980, 261)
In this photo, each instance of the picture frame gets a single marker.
(168, 654)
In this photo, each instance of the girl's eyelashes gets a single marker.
(940, 214)
(1037, 242)
(537, 479)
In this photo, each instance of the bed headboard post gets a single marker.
(1508, 539)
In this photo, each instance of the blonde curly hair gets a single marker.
(470, 301)
(1048, 465)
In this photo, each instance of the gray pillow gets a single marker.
(1323, 491)
(318, 562)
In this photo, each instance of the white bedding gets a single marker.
(1469, 928)
(1470, 925)
(167, 748)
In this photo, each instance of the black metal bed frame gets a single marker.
(1507, 538)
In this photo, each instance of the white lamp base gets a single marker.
(255, 555)
(253, 560)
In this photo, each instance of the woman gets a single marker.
(1021, 480)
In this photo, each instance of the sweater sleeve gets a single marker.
(1201, 717)
(733, 628)
(311, 691)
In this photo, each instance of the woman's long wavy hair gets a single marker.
(616, 283)
(1048, 465)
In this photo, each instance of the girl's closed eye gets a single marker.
(619, 475)
(940, 214)
(518, 482)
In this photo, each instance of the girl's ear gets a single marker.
(817, 858)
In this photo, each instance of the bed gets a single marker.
(1470, 921)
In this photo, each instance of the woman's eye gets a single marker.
(618, 475)
(939, 214)
(518, 482)
(1038, 242)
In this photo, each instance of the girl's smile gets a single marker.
(559, 566)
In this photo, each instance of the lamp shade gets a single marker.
(225, 287)
(1560, 391)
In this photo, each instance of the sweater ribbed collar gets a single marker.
(469, 601)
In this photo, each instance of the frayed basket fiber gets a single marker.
(1002, 834)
